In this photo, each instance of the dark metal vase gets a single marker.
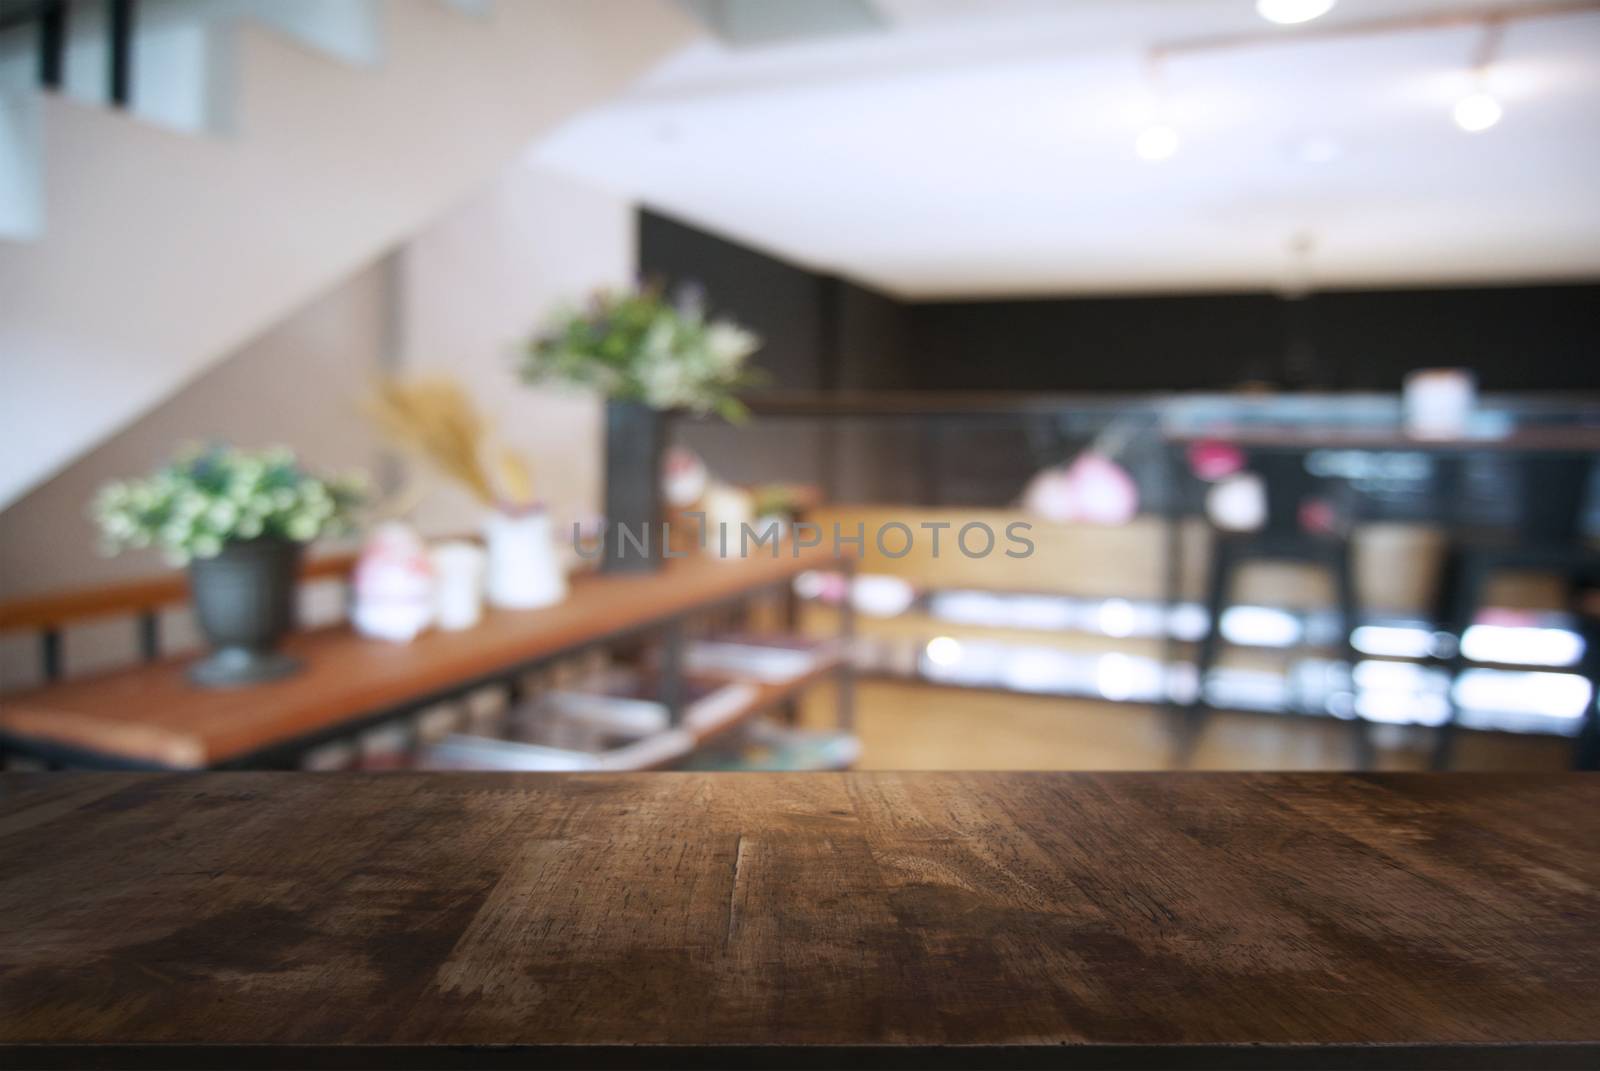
(244, 601)
(636, 438)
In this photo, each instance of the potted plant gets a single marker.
(238, 519)
(647, 355)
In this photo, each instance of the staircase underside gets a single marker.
(162, 251)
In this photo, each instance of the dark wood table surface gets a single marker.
(902, 919)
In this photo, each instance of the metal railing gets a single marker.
(52, 21)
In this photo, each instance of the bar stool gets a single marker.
(1283, 537)
(1547, 537)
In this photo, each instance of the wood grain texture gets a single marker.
(152, 713)
(974, 919)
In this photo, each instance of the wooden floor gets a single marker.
(925, 727)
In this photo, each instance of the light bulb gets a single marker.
(1477, 111)
(1289, 12)
(1156, 142)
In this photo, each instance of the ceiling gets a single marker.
(986, 147)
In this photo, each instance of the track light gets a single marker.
(1290, 12)
(1159, 139)
(1477, 111)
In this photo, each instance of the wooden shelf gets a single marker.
(153, 715)
(661, 749)
(767, 696)
(147, 595)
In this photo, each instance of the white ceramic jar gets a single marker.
(524, 570)
(458, 569)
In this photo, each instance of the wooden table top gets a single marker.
(151, 713)
(908, 919)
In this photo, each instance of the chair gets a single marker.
(1283, 537)
(1547, 536)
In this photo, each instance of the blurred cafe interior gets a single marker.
(873, 384)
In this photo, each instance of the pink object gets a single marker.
(1105, 493)
(1501, 615)
(1052, 495)
(831, 588)
(683, 477)
(1093, 489)
(1317, 515)
(1213, 459)
(393, 585)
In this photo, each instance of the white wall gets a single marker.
(298, 384)
(456, 298)
(478, 282)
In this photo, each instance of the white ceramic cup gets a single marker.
(458, 586)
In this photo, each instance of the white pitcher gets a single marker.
(524, 570)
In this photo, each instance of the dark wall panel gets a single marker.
(824, 332)
(1163, 343)
(872, 340)
(820, 331)
(780, 302)
(1517, 338)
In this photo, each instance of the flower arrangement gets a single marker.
(436, 420)
(210, 496)
(637, 346)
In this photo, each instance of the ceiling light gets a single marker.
(1289, 12)
(1156, 142)
(1477, 111)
